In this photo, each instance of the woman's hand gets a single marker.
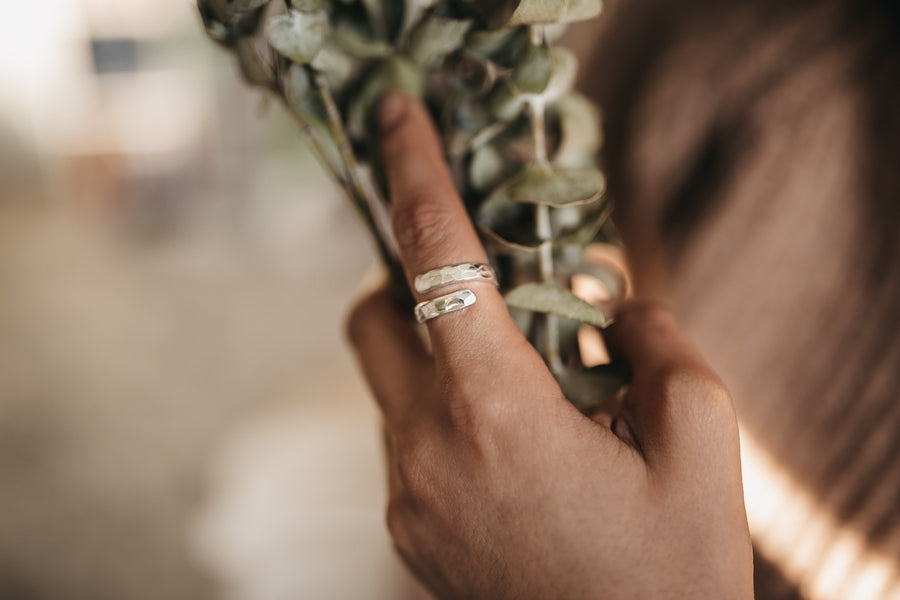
(499, 488)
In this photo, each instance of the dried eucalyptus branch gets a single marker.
(520, 142)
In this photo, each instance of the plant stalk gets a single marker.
(362, 196)
(544, 232)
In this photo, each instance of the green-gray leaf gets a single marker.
(243, 6)
(505, 101)
(435, 37)
(563, 71)
(487, 168)
(298, 35)
(533, 72)
(579, 131)
(307, 5)
(553, 187)
(356, 43)
(551, 299)
(533, 12)
(396, 72)
(296, 85)
(597, 388)
(254, 67)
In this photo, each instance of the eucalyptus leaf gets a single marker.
(487, 168)
(598, 388)
(307, 5)
(580, 135)
(435, 37)
(255, 69)
(375, 10)
(339, 68)
(501, 46)
(396, 72)
(552, 187)
(213, 20)
(298, 35)
(552, 299)
(533, 12)
(297, 85)
(505, 102)
(534, 71)
(510, 223)
(413, 10)
(478, 74)
(495, 243)
(243, 6)
(563, 71)
(584, 229)
(356, 43)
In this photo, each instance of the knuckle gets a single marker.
(479, 420)
(698, 394)
(414, 470)
(422, 222)
(644, 312)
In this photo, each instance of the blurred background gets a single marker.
(179, 415)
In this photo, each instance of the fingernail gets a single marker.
(392, 110)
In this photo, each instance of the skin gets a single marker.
(498, 487)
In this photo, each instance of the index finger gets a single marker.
(433, 230)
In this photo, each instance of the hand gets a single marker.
(499, 488)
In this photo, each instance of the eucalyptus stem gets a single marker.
(319, 150)
(538, 131)
(360, 194)
(544, 232)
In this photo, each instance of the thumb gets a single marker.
(677, 409)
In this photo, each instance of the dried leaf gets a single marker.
(297, 85)
(533, 72)
(435, 37)
(583, 228)
(254, 67)
(532, 12)
(412, 14)
(243, 6)
(580, 135)
(598, 388)
(298, 35)
(356, 43)
(551, 299)
(339, 68)
(563, 71)
(495, 243)
(553, 187)
(505, 102)
(228, 11)
(396, 72)
(501, 46)
(307, 5)
(511, 224)
(487, 168)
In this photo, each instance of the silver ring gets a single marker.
(458, 300)
(438, 278)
